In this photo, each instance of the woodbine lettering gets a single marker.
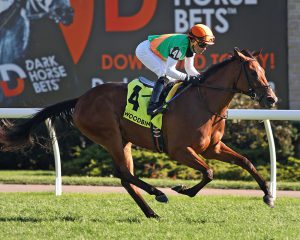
(137, 119)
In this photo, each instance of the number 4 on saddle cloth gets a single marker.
(138, 98)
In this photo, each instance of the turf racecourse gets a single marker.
(116, 216)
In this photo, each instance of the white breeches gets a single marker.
(149, 59)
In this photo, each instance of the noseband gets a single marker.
(251, 88)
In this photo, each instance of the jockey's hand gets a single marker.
(194, 80)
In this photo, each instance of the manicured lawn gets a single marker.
(48, 177)
(116, 216)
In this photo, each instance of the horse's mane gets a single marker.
(215, 67)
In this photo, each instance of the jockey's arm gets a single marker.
(171, 70)
(189, 66)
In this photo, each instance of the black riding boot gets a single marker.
(157, 90)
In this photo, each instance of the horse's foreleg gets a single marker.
(223, 153)
(131, 189)
(193, 160)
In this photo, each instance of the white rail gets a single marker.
(26, 113)
(242, 114)
(266, 116)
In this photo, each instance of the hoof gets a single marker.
(162, 198)
(268, 199)
(179, 188)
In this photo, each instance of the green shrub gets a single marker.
(95, 161)
(289, 171)
(91, 161)
(249, 137)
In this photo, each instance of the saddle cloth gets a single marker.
(138, 97)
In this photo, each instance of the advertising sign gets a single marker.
(53, 50)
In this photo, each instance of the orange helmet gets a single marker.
(202, 33)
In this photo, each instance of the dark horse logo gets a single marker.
(193, 125)
(15, 23)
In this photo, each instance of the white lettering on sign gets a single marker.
(45, 73)
(213, 13)
(202, 3)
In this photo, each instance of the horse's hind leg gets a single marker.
(223, 153)
(190, 158)
(115, 148)
(132, 190)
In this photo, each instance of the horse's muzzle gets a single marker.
(268, 101)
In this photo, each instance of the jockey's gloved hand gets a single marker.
(194, 80)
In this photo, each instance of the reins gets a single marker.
(208, 109)
(251, 90)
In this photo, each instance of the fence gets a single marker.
(26, 113)
(242, 114)
(266, 116)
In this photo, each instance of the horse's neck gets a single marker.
(224, 78)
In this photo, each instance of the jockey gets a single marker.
(160, 54)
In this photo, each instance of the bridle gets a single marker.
(251, 88)
(251, 92)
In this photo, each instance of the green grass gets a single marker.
(48, 177)
(116, 216)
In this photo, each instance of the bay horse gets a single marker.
(194, 124)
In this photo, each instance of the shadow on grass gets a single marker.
(123, 220)
(130, 220)
(65, 219)
(35, 220)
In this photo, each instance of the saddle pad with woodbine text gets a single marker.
(138, 98)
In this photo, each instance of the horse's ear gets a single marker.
(238, 54)
(257, 53)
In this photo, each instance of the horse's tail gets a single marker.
(17, 136)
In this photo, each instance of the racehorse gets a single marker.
(194, 124)
(15, 24)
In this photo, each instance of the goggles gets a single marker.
(201, 44)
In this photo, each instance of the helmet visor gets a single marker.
(209, 40)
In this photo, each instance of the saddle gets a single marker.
(165, 92)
